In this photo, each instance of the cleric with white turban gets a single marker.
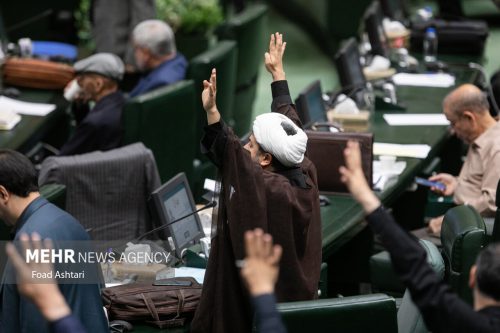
(269, 184)
(279, 136)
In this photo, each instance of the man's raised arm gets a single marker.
(208, 98)
(273, 59)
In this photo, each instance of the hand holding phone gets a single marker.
(425, 182)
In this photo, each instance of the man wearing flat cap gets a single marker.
(100, 127)
(267, 184)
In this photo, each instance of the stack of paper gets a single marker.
(26, 108)
(8, 119)
(440, 80)
(416, 119)
(417, 151)
(385, 178)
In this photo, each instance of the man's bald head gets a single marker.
(467, 109)
(467, 97)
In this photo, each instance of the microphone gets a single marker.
(211, 204)
(348, 90)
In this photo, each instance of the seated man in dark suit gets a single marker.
(100, 128)
(156, 54)
(23, 209)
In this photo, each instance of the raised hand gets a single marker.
(273, 59)
(208, 97)
(44, 292)
(352, 175)
(261, 268)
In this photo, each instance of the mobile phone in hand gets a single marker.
(425, 182)
(172, 282)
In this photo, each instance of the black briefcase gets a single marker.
(454, 37)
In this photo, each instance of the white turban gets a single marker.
(270, 132)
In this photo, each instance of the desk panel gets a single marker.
(32, 129)
(342, 220)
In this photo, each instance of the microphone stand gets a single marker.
(208, 205)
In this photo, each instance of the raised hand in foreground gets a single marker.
(44, 293)
(352, 175)
(261, 268)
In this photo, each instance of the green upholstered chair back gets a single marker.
(343, 17)
(495, 236)
(463, 235)
(163, 120)
(367, 313)
(55, 193)
(248, 29)
(3, 33)
(409, 318)
(223, 57)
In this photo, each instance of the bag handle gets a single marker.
(175, 322)
(151, 307)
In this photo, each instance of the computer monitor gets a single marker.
(170, 202)
(350, 71)
(373, 18)
(310, 105)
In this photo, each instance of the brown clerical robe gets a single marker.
(284, 204)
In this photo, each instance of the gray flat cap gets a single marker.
(106, 64)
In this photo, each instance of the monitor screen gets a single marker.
(373, 26)
(310, 105)
(350, 71)
(173, 201)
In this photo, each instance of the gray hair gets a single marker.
(156, 36)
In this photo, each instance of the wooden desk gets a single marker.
(32, 129)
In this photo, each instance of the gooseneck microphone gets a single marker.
(211, 204)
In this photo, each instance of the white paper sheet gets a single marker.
(8, 119)
(26, 108)
(440, 80)
(385, 178)
(416, 119)
(209, 184)
(417, 151)
(197, 273)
